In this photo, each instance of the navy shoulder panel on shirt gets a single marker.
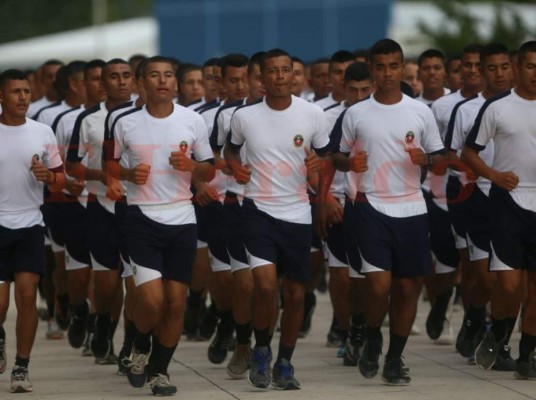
(208, 106)
(214, 134)
(331, 106)
(60, 116)
(335, 136)
(55, 104)
(452, 120)
(470, 141)
(109, 143)
(72, 152)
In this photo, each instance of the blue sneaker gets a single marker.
(283, 376)
(259, 373)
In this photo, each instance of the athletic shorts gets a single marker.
(457, 196)
(513, 233)
(235, 239)
(202, 226)
(399, 245)
(21, 250)
(478, 225)
(159, 251)
(217, 234)
(442, 241)
(350, 240)
(269, 240)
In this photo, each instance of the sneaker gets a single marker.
(20, 381)
(438, 315)
(333, 338)
(100, 342)
(259, 373)
(447, 335)
(504, 361)
(208, 324)
(341, 351)
(354, 344)
(110, 359)
(123, 360)
(487, 351)
(526, 370)
(219, 347)
(191, 321)
(395, 372)
(53, 330)
(468, 339)
(368, 362)
(86, 350)
(161, 386)
(77, 332)
(42, 310)
(137, 369)
(415, 330)
(239, 363)
(283, 376)
(3, 356)
(308, 311)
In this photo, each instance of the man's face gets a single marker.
(15, 98)
(299, 78)
(191, 88)
(278, 76)
(159, 82)
(336, 75)
(497, 72)
(118, 82)
(357, 91)
(526, 73)
(411, 77)
(235, 83)
(432, 73)
(94, 87)
(77, 86)
(48, 75)
(256, 86)
(454, 75)
(320, 81)
(471, 72)
(387, 71)
(212, 82)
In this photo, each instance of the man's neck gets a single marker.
(388, 97)
(433, 94)
(278, 103)
(160, 110)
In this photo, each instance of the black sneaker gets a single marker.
(123, 360)
(526, 370)
(434, 324)
(395, 372)
(487, 351)
(100, 342)
(77, 332)
(368, 362)
(354, 344)
(208, 323)
(137, 369)
(283, 376)
(468, 339)
(219, 347)
(191, 318)
(161, 386)
(308, 311)
(504, 361)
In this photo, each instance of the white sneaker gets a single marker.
(3, 356)
(53, 330)
(447, 336)
(415, 330)
(20, 382)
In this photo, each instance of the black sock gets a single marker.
(396, 346)
(499, 328)
(357, 319)
(103, 323)
(142, 342)
(441, 303)
(194, 299)
(63, 300)
(22, 362)
(309, 300)
(374, 333)
(285, 353)
(113, 327)
(510, 324)
(90, 327)
(262, 337)
(160, 358)
(527, 344)
(130, 335)
(51, 307)
(226, 326)
(2, 333)
(476, 318)
(243, 333)
(80, 311)
(344, 335)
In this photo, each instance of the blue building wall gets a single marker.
(194, 30)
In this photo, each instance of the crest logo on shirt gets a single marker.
(410, 136)
(183, 146)
(298, 141)
(36, 157)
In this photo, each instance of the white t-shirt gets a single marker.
(166, 197)
(275, 142)
(37, 105)
(20, 193)
(209, 114)
(510, 121)
(391, 183)
(430, 102)
(326, 102)
(442, 109)
(49, 114)
(332, 116)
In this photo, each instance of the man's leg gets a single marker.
(4, 306)
(526, 363)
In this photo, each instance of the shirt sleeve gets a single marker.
(77, 148)
(349, 134)
(235, 135)
(431, 140)
(201, 147)
(51, 156)
(483, 130)
(321, 135)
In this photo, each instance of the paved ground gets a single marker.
(60, 373)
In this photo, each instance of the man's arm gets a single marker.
(505, 180)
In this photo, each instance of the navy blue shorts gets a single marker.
(513, 232)
(272, 241)
(76, 227)
(54, 219)
(442, 241)
(217, 234)
(105, 237)
(167, 249)
(399, 245)
(201, 216)
(478, 224)
(235, 239)
(336, 246)
(457, 196)
(350, 236)
(21, 250)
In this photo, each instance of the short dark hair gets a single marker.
(361, 53)
(113, 61)
(527, 47)
(135, 59)
(298, 60)
(341, 56)
(430, 53)
(92, 64)
(321, 60)
(64, 73)
(52, 61)
(455, 57)
(11, 75)
(385, 46)
(472, 49)
(493, 49)
(152, 60)
(273, 53)
(236, 60)
(184, 69)
(357, 71)
(255, 59)
(212, 62)
(139, 69)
